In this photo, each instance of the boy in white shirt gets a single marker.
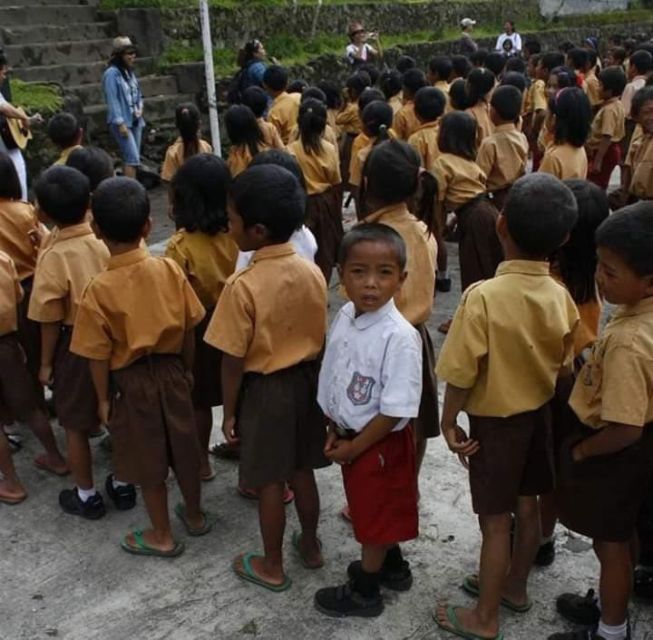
(370, 388)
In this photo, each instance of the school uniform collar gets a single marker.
(282, 96)
(525, 267)
(435, 124)
(611, 101)
(273, 251)
(399, 210)
(510, 126)
(367, 320)
(74, 231)
(643, 306)
(129, 258)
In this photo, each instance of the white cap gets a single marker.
(467, 22)
(122, 43)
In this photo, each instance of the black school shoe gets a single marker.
(546, 554)
(123, 497)
(395, 579)
(443, 285)
(92, 509)
(345, 601)
(643, 587)
(582, 610)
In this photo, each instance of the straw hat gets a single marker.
(122, 44)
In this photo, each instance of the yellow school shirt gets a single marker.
(481, 113)
(396, 103)
(175, 157)
(321, 170)
(425, 141)
(593, 89)
(283, 113)
(11, 294)
(65, 154)
(536, 97)
(271, 136)
(616, 383)
(17, 220)
(510, 339)
(356, 161)
(405, 122)
(329, 135)
(503, 156)
(459, 180)
(609, 121)
(348, 120)
(565, 162)
(240, 157)
(640, 160)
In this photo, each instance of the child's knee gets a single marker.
(495, 524)
(528, 508)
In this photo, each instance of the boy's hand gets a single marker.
(597, 165)
(341, 451)
(45, 375)
(332, 437)
(104, 409)
(229, 431)
(460, 444)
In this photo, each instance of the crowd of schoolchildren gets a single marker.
(560, 414)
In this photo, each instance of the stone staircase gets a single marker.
(68, 42)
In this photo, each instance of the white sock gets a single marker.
(117, 483)
(85, 494)
(616, 632)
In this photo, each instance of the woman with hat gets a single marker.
(124, 100)
(359, 51)
(467, 44)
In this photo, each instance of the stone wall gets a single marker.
(231, 27)
(579, 7)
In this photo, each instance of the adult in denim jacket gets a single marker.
(124, 104)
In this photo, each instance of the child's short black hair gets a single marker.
(496, 62)
(121, 209)
(256, 99)
(565, 46)
(613, 80)
(392, 171)
(573, 114)
(578, 58)
(629, 234)
(276, 77)
(404, 63)
(507, 102)
(373, 232)
(515, 64)
(592, 57)
(243, 128)
(371, 71)
(63, 129)
(540, 213)
(479, 83)
(532, 46)
(199, 194)
(478, 57)
(390, 84)
(514, 79)
(639, 99)
(412, 81)
(642, 61)
(430, 103)
(332, 92)
(316, 94)
(442, 67)
(368, 96)
(376, 116)
(357, 83)
(297, 86)
(93, 162)
(63, 194)
(458, 135)
(461, 65)
(281, 159)
(270, 196)
(551, 60)
(619, 54)
(458, 94)
(10, 188)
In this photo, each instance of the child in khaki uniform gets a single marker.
(405, 121)
(285, 106)
(607, 462)
(270, 324)
(511, 338)
(141, 365)
(348, 120)
(64, 268)
(638, 170)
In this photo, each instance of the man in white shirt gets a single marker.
(509, 34)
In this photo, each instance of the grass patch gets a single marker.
(36, 97)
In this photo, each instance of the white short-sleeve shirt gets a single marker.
(352, 50)
(372, 365)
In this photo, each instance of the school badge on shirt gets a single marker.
(360, 388)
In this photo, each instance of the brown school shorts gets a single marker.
(152, 423)
(207, 379)
(281, 427)
(18, 398)
(601, 497)
(515, 459)
(75, 400)
(324, 219)
(427, 424)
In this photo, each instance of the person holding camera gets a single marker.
(359, 50)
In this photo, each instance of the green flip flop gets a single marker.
(296, 539)
(456, 628)
(470, 586)
(143, 549)
(248, 573)
(201, 531)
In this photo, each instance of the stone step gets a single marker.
(41, 33)
(65, 15)
(77, 73)
(92, 94)
(53, 53)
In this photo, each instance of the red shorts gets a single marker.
(381, 488)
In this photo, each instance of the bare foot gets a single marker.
(52, 463)
(310, 550)
(512, 597)
(467, 621)
(151, 539)
(196, 521)
(207, 472)
(260, 568)
(12, 491)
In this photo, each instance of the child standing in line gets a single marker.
(405, 122)
(348, 120)
(607, 462)
(333, 94)
(139, 340)
(369, 389)
(439, 73)
(246, 136)
(285, 106)
(270, 325)
(390, 84)
(329, 134)
(64, 267)
(66, 134)
(637, 69)
(608, 128)
(637, 178)
(592, 86)
(503, 155)
(510, 341)
(207, 255)
(318, 160)
(257, 100)
(480, 83)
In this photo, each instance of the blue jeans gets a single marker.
(130, 147)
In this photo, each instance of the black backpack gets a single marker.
(237, 86)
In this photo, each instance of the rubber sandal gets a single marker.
(456, 628)
(225, 451)
(201, 531)
(296, 539)
(247, 573)
(45, 467)
(12, 500)
(143, 549)
(252, 494)
(470, 586)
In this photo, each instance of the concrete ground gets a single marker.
(67, 578)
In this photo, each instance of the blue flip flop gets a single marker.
(457, 629)
(141, 548)
(248, 573)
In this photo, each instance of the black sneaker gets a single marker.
(545, 554)
(443, 285)
(581, 610)
(92, 509)
(393, 579)
(123, 497)
(643, 587)
(584, 634)
(343, 601)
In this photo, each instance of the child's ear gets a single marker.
(147, 227)
(261, 232)
(502, 226)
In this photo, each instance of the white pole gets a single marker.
(210, 77)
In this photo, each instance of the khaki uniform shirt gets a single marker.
(565, 162)
(481, 113)
(175, 157)
(329, 135)
(349, 120)
(536, 97)
(17, 219)
(405, 122)
(321, 170)
(65, 154)
(511, 337)
(139, 306)
(240, 157)
(11, 294)
(207, 261)
(425, 141)
(616, 383)
(459, 180)
(593, 89)
(64, 268)
(609, 121)
(357, 159)
(415, 298)
(396, 103)
(502, 156)
(271, 136)
(640, 160)
(283, 113)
